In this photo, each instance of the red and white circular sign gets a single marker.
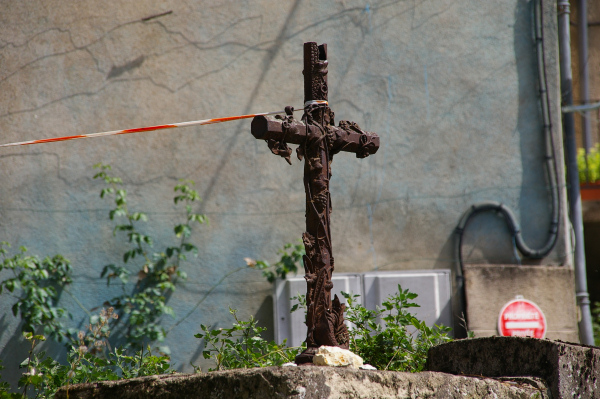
(521, 318)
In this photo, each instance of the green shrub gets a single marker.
(596, 322)
(590, 172)
(44, 375)
(241, 346)
(390, 337)
(37, 284)
(5, 387)
(157, 272)
(289, 262)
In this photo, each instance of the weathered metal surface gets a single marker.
(318, 141)
(347, 137)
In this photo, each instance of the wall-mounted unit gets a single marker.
(432, 286)
(291, 326)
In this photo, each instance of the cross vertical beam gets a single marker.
(318, 141)
(325, 318)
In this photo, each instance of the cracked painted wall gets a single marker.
(450, 86)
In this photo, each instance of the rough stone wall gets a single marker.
(308, 383)
(569, 370)
(490, 287)
(450, 86)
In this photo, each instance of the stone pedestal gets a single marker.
(569, 370)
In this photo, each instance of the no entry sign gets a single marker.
(521, 318)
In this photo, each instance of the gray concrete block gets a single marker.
(570, 370)
(306, 383)
(433, 288)
(291, 326)
(490, 287)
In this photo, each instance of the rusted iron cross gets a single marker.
(318, 141)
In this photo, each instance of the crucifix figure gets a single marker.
(318, 140)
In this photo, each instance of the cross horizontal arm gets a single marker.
(346, 137)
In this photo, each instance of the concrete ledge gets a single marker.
(489, 287)
(570, 370)
(307, 383)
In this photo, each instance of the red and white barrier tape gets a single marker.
(152, 128)
(140, 129)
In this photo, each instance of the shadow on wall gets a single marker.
(264, 315)
(268, 60)
(17, 349)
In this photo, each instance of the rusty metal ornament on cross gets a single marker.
(318, 141)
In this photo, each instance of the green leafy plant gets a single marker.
(596, 322)
(88, 361)
(465, 326)
(5, 387)
(36, 284)
(589, 172)
(44, 375)
(289, 262)
(299, 302)
(241, 346)
(390, 337)
(157, 272)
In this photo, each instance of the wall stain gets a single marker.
(116, 71)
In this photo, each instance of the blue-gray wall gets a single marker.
(450, 86)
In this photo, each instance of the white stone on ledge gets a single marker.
(367, 367)
(337, 357)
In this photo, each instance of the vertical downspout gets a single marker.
(566, 82)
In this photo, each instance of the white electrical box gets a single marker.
(291, 326)
(432, 287)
